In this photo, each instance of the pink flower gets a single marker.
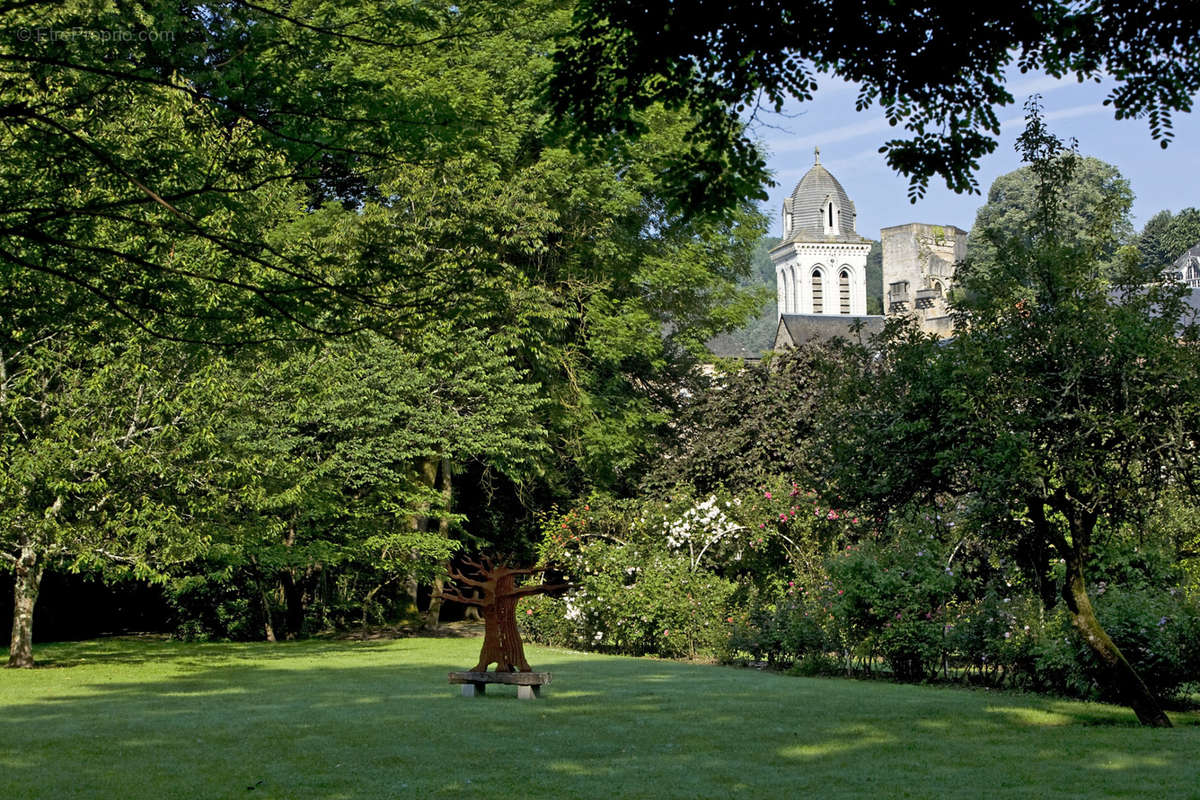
(767, 495)
(529, 612)
(729, 619)
(791, 583)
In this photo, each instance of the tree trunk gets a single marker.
(28, 579)
(433, 615)
(1118, 673)
(268, 628)
(260, 581)
(294, 601)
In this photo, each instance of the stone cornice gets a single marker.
(791, 250)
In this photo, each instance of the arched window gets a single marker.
(818, 292)
(844, 291)
(785, 298)
(937, 288)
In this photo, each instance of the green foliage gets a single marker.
(758, 335)
(702, 569)
(330, 451)
(892, 600)
(1092, 213)
(913, 599)
(104, 451)
(270, 175)
(752, 423)
(1065, 403)
(642, 585)
(937, 71)
(1166, 236)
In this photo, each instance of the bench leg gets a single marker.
(472, 689)
(529, 692)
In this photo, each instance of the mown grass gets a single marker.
(127, 718)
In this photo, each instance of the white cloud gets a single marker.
(833, 136)
(1063, 113)
(1039, 84)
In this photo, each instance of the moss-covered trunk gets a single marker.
(1117, 673)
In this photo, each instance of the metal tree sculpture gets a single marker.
(498, 599)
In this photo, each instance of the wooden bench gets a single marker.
(529, 684)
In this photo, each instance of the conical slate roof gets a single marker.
(808, 200)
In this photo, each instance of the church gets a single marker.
(821, 267)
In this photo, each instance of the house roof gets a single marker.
(797, 329)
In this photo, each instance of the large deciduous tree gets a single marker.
(103, 454)
(198, 169)
(242, 173)
(1092, 210)
(1061, 406)
(334, 455)
(938, 69)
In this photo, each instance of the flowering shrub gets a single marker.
(995, 635)
(642, 587)
(892, 600)
(783, 626)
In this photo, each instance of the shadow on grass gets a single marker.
(146, 649)
(379, 719)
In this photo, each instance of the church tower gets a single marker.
(821, 263)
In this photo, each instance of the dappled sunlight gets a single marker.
(831, 748)
(383, 721)
(575, 768)
(1025, 715)
(1121, 761)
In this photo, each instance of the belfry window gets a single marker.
(818, 292)
(844, 291)
(830, 216)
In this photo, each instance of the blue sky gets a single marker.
(850, 141)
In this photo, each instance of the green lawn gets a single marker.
(320, 719)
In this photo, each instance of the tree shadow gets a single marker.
(344, 719)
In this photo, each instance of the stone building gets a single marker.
(821, 263)
(821, 266)
(918, 270)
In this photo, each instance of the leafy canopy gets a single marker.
(936, 68)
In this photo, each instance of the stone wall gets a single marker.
(918, 271)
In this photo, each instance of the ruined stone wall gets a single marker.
(918, 271)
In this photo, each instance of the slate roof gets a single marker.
(808, 198)
(797, 329)
(1192, 299)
